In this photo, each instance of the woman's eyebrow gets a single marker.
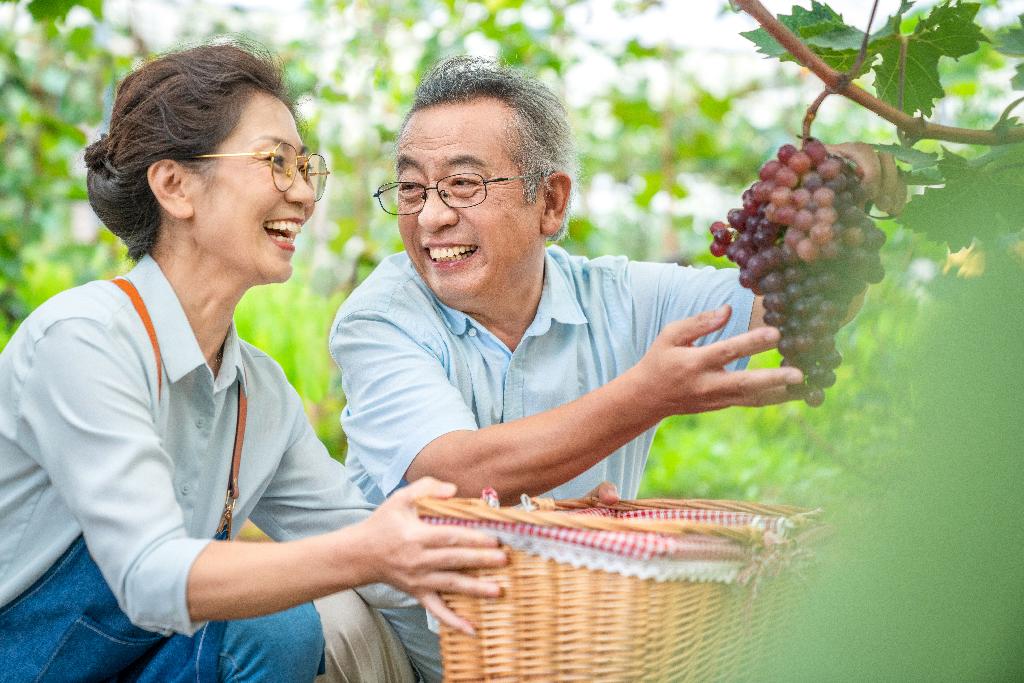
(304, 150)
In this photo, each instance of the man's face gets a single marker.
(483, 259)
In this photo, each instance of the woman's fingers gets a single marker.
(463, 558)
(447, 536)
(435, 605)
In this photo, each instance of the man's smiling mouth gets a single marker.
(456, 253)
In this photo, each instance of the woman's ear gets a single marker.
(556, 188)
(171, 184)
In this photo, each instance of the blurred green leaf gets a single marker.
(976, 201)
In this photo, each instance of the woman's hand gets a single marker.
(878, 175)
(424, 559)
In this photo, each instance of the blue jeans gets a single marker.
(68, 627)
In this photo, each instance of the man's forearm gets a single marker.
(537, 453)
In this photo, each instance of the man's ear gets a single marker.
(556, 189)
(172, 186)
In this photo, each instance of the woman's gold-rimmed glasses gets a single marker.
(285, 163)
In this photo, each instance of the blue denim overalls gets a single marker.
(68, 627)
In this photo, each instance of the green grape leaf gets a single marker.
(915, 157)
(825, 32)
(1011, 41)
(980, 200)
(820, 19)
(948, 31)
(55, 10)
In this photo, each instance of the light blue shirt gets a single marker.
(87, 446)
(414, 369)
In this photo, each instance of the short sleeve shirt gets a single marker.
(90, 445)
(414, 369)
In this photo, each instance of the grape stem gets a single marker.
(837, 81)
(845, 79)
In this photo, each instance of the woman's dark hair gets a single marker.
(173, 107)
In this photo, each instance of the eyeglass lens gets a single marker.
(457, 191)
(284, 164)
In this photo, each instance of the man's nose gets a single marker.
(436, 215)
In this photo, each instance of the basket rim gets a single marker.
(551, 512)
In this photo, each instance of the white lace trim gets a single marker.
(658, 569)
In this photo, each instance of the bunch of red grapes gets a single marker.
(803, 240)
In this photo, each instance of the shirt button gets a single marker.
(472, 332)
(186, 489)
(200, 422)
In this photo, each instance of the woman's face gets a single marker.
(242, 220)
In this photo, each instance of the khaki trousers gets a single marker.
(360, 646)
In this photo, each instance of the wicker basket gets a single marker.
(566, 620)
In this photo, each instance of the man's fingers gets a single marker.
(723, 352)
(685, 332)
(893, 194)
(435, 605)
(606, 493)
(757, 387)
(770, 397)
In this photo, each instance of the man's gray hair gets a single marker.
(540, 140)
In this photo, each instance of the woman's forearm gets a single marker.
(238, 580)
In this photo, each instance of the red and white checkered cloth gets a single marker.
(630, 544)
(722, 517)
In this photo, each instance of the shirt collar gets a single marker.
(179, 348)
(557, 303)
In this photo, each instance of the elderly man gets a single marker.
(484, 357)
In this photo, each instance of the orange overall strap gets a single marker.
(236, 456)
(226, 516)
(128, 288)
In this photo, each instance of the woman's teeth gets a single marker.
(282, 231)
(451, 253)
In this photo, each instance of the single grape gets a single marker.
(785, 152)
(769, 169)
(815, 149)
(829, 168)
(815, 397)
(799, 162)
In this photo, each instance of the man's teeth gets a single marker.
(282, 231)
(451, 253)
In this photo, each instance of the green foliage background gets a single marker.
(656, 143)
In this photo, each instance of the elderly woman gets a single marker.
(137, 431)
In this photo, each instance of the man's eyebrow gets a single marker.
(467, 160)
(404, 162)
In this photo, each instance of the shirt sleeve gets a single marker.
(664, 292)
(310, 494)
(399, 397)
(85, 416)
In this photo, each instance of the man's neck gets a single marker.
(516, 315)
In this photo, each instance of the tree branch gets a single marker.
(914, 126)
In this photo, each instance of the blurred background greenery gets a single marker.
(673, 110)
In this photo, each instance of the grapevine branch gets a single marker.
(812, 110)
(839, 82)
